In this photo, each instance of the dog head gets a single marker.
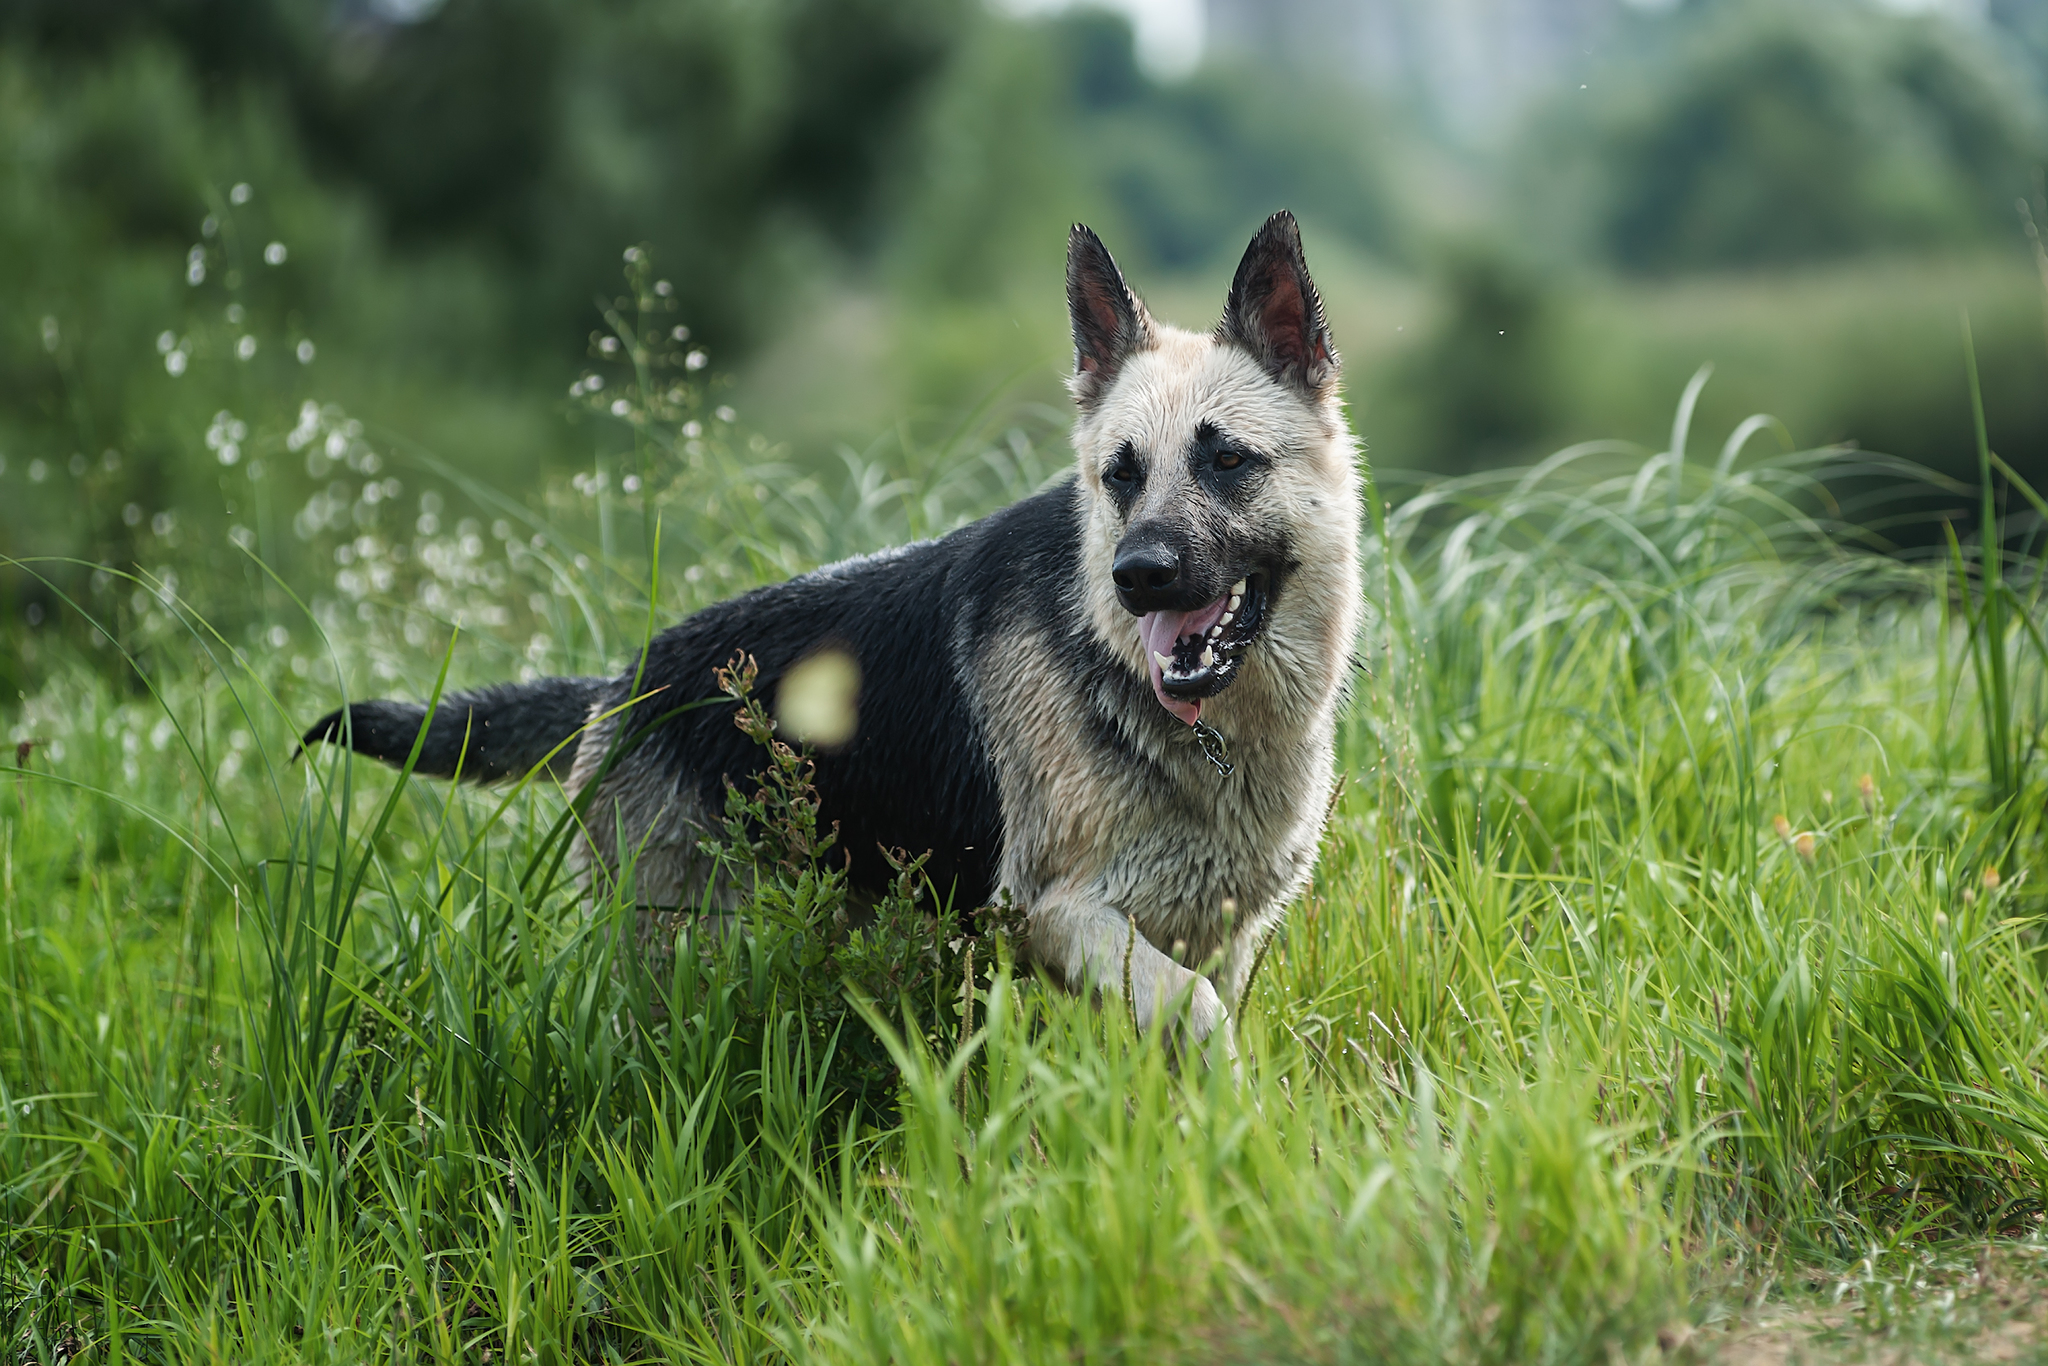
(1221, 486)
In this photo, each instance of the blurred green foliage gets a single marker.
(1751, 132)
(546, 133)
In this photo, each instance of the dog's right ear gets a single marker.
(1109, 322)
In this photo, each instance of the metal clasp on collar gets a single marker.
(1211, 741)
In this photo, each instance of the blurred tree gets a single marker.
(1192, 167)
(1756, 132)
(548, 133)
(1177, 175)
(1483, 388)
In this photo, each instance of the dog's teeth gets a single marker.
(1164, 662)
(1237, 589)
(1228, 617)
(1208, 656)
(1231, 606)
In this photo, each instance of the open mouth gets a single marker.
(1193, 655)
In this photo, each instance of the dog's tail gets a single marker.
(497, 732)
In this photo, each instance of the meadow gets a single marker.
(1667, 983)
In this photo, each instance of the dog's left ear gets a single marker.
(1275, 313)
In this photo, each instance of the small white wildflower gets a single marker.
(693, 429)
(132, 514)
(195, 266)
(208, 226)
(308, 427)
(245, 348)
(620, 407)
(680, 333)
(164, 523)
(230, 453)
(174, 364)
(664, 288)
(633, 254)
(725, 413)
(305, 353)
(427, 524)
(696, 360)
(278, 637)
(608, 345)
(274, 254)
(165, 341)
(240, 194)
(593, 383)
(631, 483)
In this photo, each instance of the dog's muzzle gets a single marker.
(1195, 654)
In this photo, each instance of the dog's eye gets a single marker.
(1229, 460)
(1122, 474)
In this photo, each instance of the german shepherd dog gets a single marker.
(1113, 702)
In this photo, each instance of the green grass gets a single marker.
(1671, 962)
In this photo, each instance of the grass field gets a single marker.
(1666, 991)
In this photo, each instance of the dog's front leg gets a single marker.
(1079, 935)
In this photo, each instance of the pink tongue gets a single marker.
(1158, 632)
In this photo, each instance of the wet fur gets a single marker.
(1007, 719)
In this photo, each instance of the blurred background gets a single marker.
(1532, 221)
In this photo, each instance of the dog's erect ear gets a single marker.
(1109, 322)
(1275, 313)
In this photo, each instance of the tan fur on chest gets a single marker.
(1155, 829)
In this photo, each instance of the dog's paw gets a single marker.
(1205, 1012)
(1198, 1025)
(1192, 1007)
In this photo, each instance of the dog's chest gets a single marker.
(1160, 834)
(1195, 843)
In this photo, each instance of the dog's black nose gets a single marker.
(1145, 573)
